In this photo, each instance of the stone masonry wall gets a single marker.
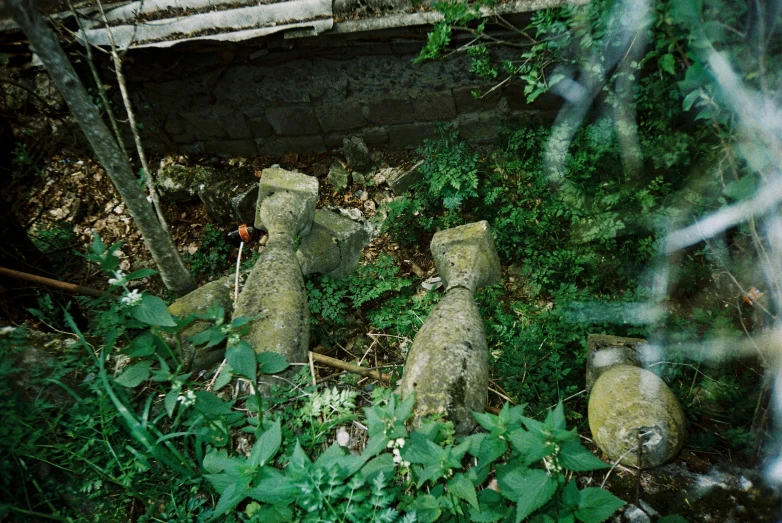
(266, 100)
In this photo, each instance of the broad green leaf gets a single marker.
(427, 508)
(274, 514)
(690, 99)
(232, 496)
(462, 488)
(491, 449)
(134, 375)
(530, 490)
(274, 488)
(597, 505)
(152, 311)
(686, 11)
(375, 445)
(211, 404)
(266, 446)
(143, 345)
(418, 449)
(488, 421)
(241, 358)
(272, 362)
(574, 456)
(531, 446)
(491, 507)
(570, 495)
(405, 409)
(555, 418)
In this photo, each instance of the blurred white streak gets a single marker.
(623, 313)
(766, 199)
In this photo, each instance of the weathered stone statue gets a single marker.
(447, 367)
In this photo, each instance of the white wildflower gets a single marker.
(233, 339)
(400, 442)
(188, 399)
(118, 279)
(131, 298)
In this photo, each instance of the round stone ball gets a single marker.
(628, 402)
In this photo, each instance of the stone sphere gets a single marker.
(629, 401)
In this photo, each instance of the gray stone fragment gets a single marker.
(218, 292)
(333, 246)
(226, 200)
(356, 153)
(300, 212)
(338, 176)
(401, 180)
(634, 514)
(629, 402)
(604, 352)
(465, 256)
(177, 183)
(358, 178)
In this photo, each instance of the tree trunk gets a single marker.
(159, 242)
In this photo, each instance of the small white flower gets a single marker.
(400, 442)
(132, 298)
(233, 339)
(397, 459)
(188, 400)
(390, 444)
(118, 279)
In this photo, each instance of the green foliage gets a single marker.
(213, 256)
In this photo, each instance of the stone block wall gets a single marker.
(271, 100)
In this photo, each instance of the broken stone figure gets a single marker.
(447, 367)
(633, 415)
(274, 292)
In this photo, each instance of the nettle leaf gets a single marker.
(574, 456)
(462, 488)
(741, 189)
(272, 362)
(233, 495)
(427, 508)
(530, 489)
(266, 446)
(383, 464)
(492, 507)
(143, 345)
(152, 311)
(274, 487)
(134, 375)
(668, 64)
(224, 378)
(533, 447)
(597, 505)
(241, 358)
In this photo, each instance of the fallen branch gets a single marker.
(349, 367)
(55, 284)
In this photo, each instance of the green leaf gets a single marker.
(597, 505)
(491, 507)
(668, 64)
(266, 446)
(530, 490)
(170, 402)
(462, 488)
(274, 514)
(574, 456)
(241, 358)
(274, 488)
(232, 496)
(531, 446)
(570, 495)
(686, 11)
(741, 189)
(382, 464)
(143, 345)
(139, 274)
(134, 375)
(152, 311)
(690, 99)
(224, 378)
(272, 362)
(555, 419)
(427, 508)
